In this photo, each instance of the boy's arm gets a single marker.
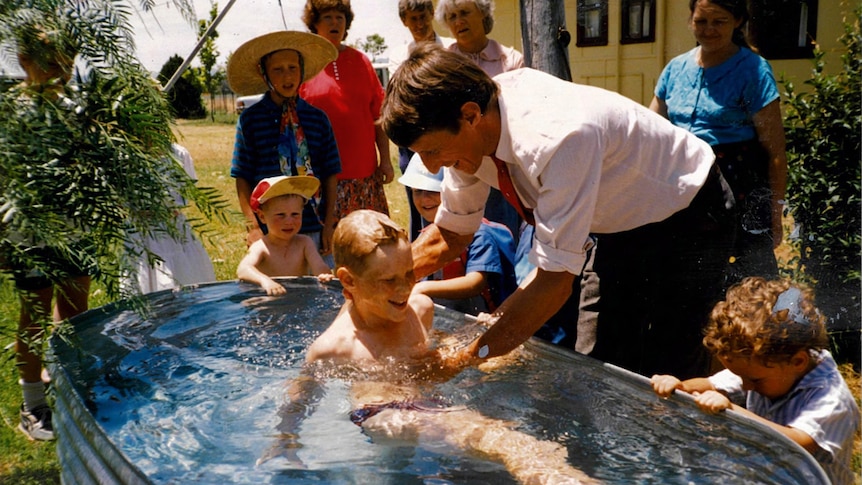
(801, 438)
(465, 286)
(248, 271)
(424, 308)
(330, 193)
(304, 393)
(385, 166)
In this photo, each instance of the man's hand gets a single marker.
(444, 364)
(326, 239)
(387, 173)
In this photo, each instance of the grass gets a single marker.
(211, 145)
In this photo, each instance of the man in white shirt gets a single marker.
(583, 161)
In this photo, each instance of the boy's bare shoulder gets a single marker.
(423, 306)
(337, 341)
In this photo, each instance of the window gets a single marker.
(784, 29)
(592, 23)
(637, 22)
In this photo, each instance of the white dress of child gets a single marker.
(183, 262)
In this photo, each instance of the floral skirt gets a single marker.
(356, 194)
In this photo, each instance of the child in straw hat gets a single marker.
(278, 203)
(282, 135)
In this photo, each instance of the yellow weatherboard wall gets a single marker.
(632, 69)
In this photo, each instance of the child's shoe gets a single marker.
(36, 424)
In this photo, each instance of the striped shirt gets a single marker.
(256, 156)
(820, 405)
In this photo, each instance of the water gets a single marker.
(192, 394)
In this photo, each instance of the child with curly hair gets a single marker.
(772, 342)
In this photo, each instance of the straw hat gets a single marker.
(243, 71)
(304, 186)
(416, 176)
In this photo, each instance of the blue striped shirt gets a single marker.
(255, 150)
(820, 405)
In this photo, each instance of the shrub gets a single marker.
(824, 126)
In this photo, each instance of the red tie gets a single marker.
(504, 180)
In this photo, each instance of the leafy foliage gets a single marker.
(824, 146)
(374, 44)
(87, 169)
(209, 55)
(185, 96)
(824, 142)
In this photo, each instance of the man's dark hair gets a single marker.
(428, 90)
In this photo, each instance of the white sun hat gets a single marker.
(416, 176)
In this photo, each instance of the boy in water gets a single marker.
(772, 342)
(278, 203)
(382, 330)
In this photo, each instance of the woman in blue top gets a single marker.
(725, 93)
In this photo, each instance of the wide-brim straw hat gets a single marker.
(243, 71)
(304, 186)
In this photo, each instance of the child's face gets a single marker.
(773, 380)
(285, 73)
(426, 203)
(381, 292)
(282, 216)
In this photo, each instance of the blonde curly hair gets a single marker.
(745, 324)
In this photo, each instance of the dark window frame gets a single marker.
(784, 29)
(637, 21)
(592, 23)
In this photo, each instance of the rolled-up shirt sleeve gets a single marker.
(462, 202)
(564, 208)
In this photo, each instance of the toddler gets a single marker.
(278, 202)
(772, 342)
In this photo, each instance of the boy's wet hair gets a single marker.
(359, 234)
(749, 323)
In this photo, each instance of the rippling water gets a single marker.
(192, 394)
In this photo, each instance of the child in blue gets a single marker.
(283, 134)
(481, 277)
(772, 342)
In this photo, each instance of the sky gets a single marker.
(163, 32)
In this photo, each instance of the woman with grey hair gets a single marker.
(470, 22)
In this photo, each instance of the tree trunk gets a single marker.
(545, 38)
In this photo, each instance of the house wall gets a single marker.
(632, 69)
